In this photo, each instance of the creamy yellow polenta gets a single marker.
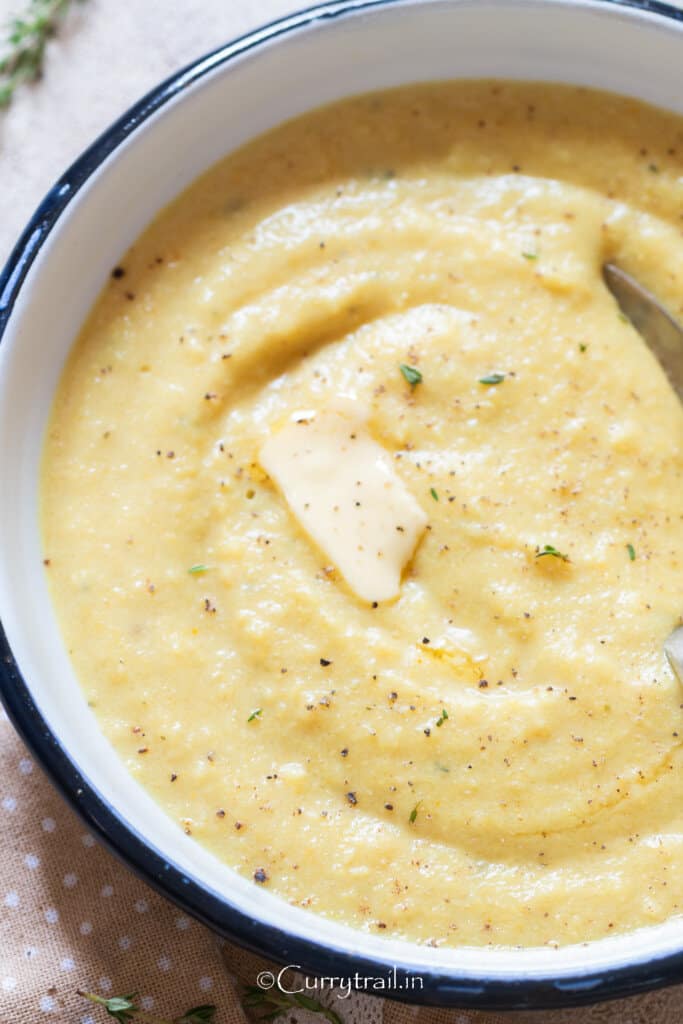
(495, 757)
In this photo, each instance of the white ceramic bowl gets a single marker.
(60, 264)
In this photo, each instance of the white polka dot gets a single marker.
(70, 880)
(9, 984)
(105, 984)
(51, 915)
(164, 963)
(48, 1004)
(32, 861)
(85, 928)
(67, 964)
(142, 906)
(182, 923)
(206, 983)
(88, 1019)
(107, 891)
(26, 766)
(125, 942)
(147, 1003)
(9, 804)
(87, 839)
(48, 824)
(12, 900)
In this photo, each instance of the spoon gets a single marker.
(664, 335)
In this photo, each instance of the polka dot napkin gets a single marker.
(72, 917)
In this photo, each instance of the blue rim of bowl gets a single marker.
(439, 986)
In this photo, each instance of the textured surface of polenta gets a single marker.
(494, 757)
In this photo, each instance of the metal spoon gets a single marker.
(664, 335)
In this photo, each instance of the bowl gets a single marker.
(60, 263)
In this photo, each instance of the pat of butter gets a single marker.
(344, 491)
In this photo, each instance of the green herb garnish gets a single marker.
(631, 552)
(124, 1009)
(413, 814)
(121, 1008)
(582, 346)
(411, 374)
(548, 549)
(269, 1004)
(255, 714)
(492, 378)
(530, 255)
(196, 569)
(25, 44)
(433, 493)
(198, 1015)
(442, 718)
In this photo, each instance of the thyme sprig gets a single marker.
(549, 551)
(27, 38)
(269, 1004)
(125, 1009)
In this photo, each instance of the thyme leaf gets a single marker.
(411, 374)
(121, 1008)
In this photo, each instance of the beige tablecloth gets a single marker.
(70, 915)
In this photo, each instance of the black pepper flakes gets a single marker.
(260, 876)
(352, 798)
(324, 662)
(118, 272)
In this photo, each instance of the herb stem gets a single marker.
(125, 1009)
(25, 45)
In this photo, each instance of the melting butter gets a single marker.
(342, 487)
